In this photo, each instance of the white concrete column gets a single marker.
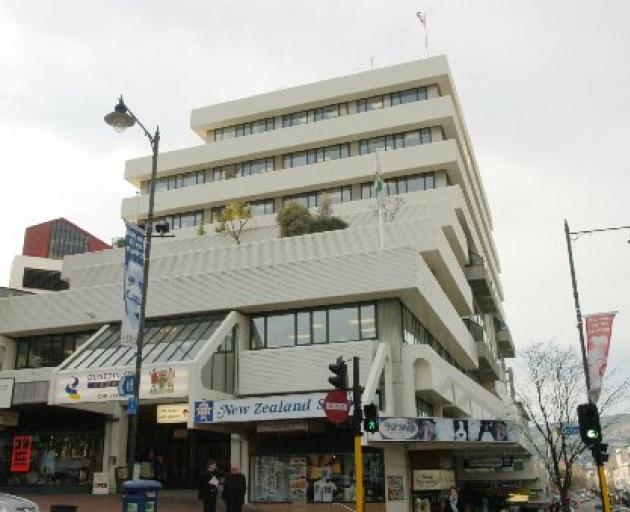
(239, 455)
(8, 346)
(115, 444)
(397, 465)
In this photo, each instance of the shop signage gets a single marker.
(489, 462)
(282, 426)
(172, 413)
(261, 409)
(108, 385)
(9, 418)
(432, 479)
(21, 454)
(100, 483)
(336, 406)
(6, 393)
(446, 430)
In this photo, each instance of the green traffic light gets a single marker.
(372, 426)
(591, 433)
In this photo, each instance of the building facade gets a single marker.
(239, 337)
(38, 268)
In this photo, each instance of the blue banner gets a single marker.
(132, 285)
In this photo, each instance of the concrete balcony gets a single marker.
(505, 342)
(489, 367)
(482, 287)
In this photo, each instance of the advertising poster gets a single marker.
(446, 430)
(395, 488)
(132, 285)
(598, 335)
(21, 454)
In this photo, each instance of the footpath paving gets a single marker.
(169, 501)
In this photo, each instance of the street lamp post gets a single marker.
(121, 119)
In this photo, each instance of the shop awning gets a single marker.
(165, 341)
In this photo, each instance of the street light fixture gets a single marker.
(121, 119)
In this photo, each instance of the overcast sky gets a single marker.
(543, 85)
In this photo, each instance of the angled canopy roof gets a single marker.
(165, 340)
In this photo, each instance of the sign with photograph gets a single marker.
(105, 385)
(21, 454)
(132, 285)
(262, 409)
(172, 413)
(6, 393)
(445, 430)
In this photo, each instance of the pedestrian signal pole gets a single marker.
(357, 418)
(587, 412)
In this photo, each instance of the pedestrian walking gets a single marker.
(234, 490)
(209, 487)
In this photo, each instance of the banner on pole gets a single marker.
(132, 285)
(598, 335)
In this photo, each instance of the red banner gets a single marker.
(21, 455)
(598, 335)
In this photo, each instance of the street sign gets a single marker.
(132, 406)
(570, 430)
(337, 406)
(125, 385)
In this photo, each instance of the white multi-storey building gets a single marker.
(243, 334)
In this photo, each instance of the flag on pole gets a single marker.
(132, 285)
(379, 192)
(422, 17)
(598, 336)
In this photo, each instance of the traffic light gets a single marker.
(599, 453)
(590, 429)
(340, 374)
(370, 418)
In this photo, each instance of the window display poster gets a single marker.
(298, 483)
(21, 454)
(395, 488)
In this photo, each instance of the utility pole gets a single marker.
(597, 448)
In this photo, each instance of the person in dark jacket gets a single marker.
(453, 502)
(234, 490)
(209, 487)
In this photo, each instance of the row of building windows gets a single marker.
(295, 159)
(240, 130)
(314, 326)
(67, 239)
(313, 156)
(315, 114)
(48, 351)
(180, 180)
(182, 220)
(322, 113)
(414, 333)
(313, 199)
(401, 185)
(395, 141)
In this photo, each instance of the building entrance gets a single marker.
(174, 455)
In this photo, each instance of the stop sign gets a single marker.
(337, 406)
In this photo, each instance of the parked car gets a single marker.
(10, 503)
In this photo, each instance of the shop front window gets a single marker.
(56, 459)
(314, 478)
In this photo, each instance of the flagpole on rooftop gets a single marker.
(422, 16)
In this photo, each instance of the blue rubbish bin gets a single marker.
(140, 495)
